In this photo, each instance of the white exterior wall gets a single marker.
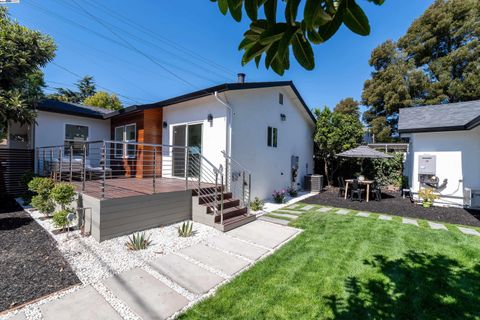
(457, 159)
(194, 112)
(254, 111)
(50, 128)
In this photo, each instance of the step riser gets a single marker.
(228, 227)
(226, 205)
(206, 191)
(231, 214)
(208, 198)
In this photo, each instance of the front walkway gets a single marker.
(170, 284)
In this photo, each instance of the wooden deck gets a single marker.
(130, 187)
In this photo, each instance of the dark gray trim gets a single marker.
(73, 109)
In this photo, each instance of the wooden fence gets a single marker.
(13, 164)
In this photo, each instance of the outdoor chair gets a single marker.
(356, 191)
(341, 187)
(377, 192)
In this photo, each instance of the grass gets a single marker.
(347, 267)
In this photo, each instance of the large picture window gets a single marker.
(126, 133)
(75, 138)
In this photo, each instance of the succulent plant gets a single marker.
(256, 204)
(186, 229)
(138, 241)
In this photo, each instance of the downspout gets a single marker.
(229, 119)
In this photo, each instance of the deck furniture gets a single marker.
(356, 191)
(367, 183)
(341, 186)
(377, 192)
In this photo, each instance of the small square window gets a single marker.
(269, 137)
(272, 137)
(280, 98)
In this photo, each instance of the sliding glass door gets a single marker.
(186, 135)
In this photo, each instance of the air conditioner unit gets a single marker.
(471, 198)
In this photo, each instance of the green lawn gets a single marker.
(347, 267)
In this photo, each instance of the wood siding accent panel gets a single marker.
(13, 164)
(127, 215)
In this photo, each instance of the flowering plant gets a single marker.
(279, 196)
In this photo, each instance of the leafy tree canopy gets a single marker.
(105, 100)
(85, 86)
(22, 53)
(335, 132)
(271, 33)
(348, 106)
(436, 61)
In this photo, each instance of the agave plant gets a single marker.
(138, 241)
(186, 229)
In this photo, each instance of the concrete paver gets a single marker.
(324, 209)
(187, 274)
(469, 231)
(216, 259)
(286, 215)
(383, 217)
(263, 233)
(437, 226)
(293, 206)
(306, 208)
(83, 304)
(18, 316)
(282, 222)
(145, 295)
(363, 214)
(410, 221)
(342, 211)
(289, 211)
(236, 246)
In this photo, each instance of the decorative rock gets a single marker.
(437, 226)
(469, 231)
(410, 221)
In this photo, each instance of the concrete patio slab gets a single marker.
(18, 316)
(342, 211)
(236, 246)
(410, 221)
(286, 215)
(469, 231)
(437, 226)
(187, 274)
(324, 209)
(145, 295)
(363, 214)
(282, 222)
(306, 208)
(83, 304)
(289, 211)
(216, 259)
(264, 233)
(386, 218)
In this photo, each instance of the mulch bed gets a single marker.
(31, 265)
(393, 203)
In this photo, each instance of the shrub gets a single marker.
(256, 204)
(292, 192)
(42, 201)
(63, 194)
(60, 219)
(186, 229)
(138, 241)
(428, 196)
(24, 180)
(388, 171)
(279, 196)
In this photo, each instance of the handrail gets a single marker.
(236, 162)
(120, 142)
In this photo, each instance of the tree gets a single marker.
(320, 20)
(103, 99)
(335, 132)
(22, 53)
(436, 61)
(348, 106)
(85, 86)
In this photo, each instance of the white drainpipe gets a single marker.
(229, 119)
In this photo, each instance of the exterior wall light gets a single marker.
(165, 124)
(283, 117)
(210, 117)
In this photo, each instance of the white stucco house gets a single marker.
(266, 127)
(444, 150)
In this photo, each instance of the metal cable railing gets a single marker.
(238, 180)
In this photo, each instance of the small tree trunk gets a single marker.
(327, 173)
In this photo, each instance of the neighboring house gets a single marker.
(444, 150)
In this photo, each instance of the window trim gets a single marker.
(125, 152)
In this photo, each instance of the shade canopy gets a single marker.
(364, 152)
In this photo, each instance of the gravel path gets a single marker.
(31, 265)
(394, 204)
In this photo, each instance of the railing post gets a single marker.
(60, 157)
(71, 168)
(103, 169)
(44, 163)
(215, 194)
(37, 161)
(154, 168)
(226, 171)
(84, 167)
(249, 188)
(187, 164)
(221, 199)
(243, 187)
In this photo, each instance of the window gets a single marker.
(126, 133)
(75, 137)
(272, 137)
(280, 98)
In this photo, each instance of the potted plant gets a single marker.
(279, 196)
(427, 196)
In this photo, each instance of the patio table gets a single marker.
(364, 182)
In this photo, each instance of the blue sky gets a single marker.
(191, 40)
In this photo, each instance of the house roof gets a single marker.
(74, 109)
(212, 90)
(442, 117)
